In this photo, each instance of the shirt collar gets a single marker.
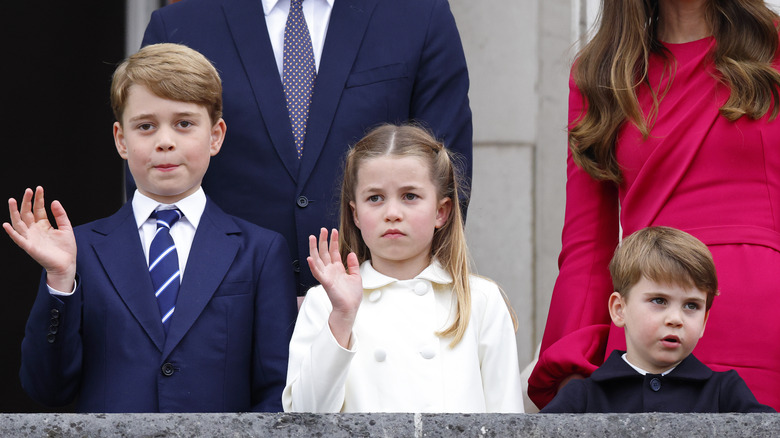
(192, 207)
(372, 279)
(269, 5)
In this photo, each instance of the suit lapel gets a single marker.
(211, 255)
(348, 22)
(122, 257)
(246, 21)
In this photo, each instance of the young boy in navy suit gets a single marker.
(665, 282)
(214, 335)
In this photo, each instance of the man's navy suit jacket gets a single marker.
(227, 346)
(382, 61)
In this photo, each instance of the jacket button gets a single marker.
(428, 353)
(302, 201)
(296, 266)
(52, 329)
(55, 313)
(50, 337)
(375, 296)
(167, 369)
(420, 289)
(655, 384)
(380, 355)
(55, 322)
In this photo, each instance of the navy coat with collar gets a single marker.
(382, 61)
(227, 346)
(615, 387)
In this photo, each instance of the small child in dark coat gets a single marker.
(670, 278)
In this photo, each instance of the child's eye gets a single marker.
(145, 126)
(184, 124)
(410, 196)
(374, 198)
(691, 306)
(658, 300)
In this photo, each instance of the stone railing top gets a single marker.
(389, 425)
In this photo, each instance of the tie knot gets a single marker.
(166, 218)
(296, 3)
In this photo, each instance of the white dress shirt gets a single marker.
(182, 232)
(395, 361)
(317, 15)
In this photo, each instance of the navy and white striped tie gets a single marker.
(164, 264)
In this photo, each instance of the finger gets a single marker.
(315, 270)
(60, 217)
(25, 211)
(334, 245)
(313, 247)
(353, 266)
(324, 246)
(13, 212)
(18, 239)
(39, 206)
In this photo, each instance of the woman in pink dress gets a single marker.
(673, 121)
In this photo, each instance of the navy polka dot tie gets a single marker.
(164, 264)
(298, 72)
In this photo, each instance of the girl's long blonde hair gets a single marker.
(449, 241)
(611, 67)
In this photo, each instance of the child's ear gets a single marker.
(703, 326)
(616, 307)
(217, 136)
(119, 140)
(354, 214)
(443, 213)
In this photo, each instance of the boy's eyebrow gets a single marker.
(153, 115)
(373, 189)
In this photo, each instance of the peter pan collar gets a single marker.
(435, 273)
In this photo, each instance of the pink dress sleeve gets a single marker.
(578, 322)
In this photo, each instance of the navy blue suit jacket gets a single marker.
(227, 346)
(382, 61)
(690, 387)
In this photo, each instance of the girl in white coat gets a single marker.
(404, 327)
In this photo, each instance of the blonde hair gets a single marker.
(170, 71)
(449, 241)
(664, 255)
(611, 67)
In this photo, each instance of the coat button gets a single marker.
(167, 369)
(375, 296)
(428, 353)
(55, 313)
(420, 289)
(55, 322)
(52, 329)
(296, 266)
(50, 337)
(380, 355)
(302, 201)
(655, 384)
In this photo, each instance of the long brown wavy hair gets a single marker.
(610, 68)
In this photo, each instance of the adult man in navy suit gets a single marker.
(377, 61)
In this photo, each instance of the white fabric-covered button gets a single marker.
(420, 289)
(428, 353)
(374, 296)
(380, 355)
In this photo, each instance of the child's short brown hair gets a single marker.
(170, 71)
(664, 255)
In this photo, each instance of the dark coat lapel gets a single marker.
(122, 257)
(246, 21)
(348, 22)
(210, 258)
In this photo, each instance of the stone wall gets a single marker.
(388, 425)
